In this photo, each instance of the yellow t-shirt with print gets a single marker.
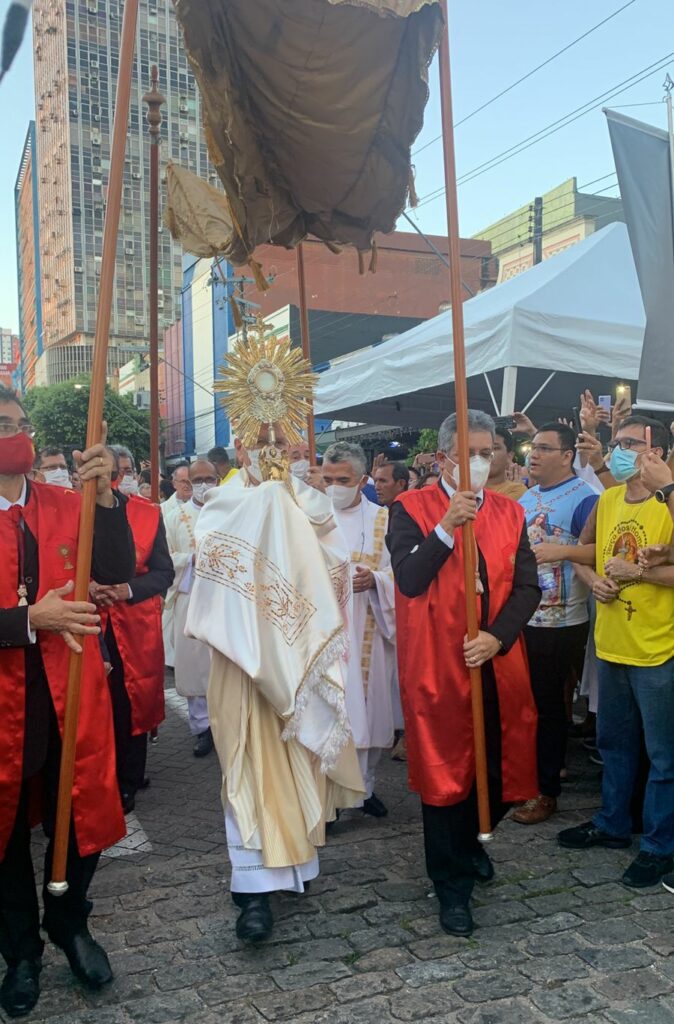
(638, 627)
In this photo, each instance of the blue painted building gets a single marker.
(207, 324)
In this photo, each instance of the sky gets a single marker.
(492, 45)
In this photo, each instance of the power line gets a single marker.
(574, 115)
(553, 127)
(533, 71)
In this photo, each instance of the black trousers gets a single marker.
(130, 750)
(450, 833)
(19, 910)
(552, 653)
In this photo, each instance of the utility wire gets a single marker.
(553, 127)
(533, 71)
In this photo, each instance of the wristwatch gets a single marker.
(663, 494)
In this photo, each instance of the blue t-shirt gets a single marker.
(557, 515)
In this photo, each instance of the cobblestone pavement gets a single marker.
(559, 937)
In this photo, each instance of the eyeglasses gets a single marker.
(486, 453)
(627, 443)
(8, 429)
(545, 449)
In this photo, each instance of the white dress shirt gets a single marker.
(5, 505)
(448, 538)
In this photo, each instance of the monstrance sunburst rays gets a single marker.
(266, 382)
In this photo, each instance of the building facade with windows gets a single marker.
(568, 215)
(26, 206)
(347, 311)
(76, 63)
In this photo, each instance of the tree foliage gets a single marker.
(428, 442)
(59, 414)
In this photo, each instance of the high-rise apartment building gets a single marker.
(28, 260)
(76, 60)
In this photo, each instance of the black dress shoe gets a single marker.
(482, 866)
(330, 825)
(456, 919)
(88, 960)
(255, 922)
(128, 801)
(20, 988)
(375, 807)
(203, 744)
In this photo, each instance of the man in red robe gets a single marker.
(133, 636)
(434, 658)
(38, 624)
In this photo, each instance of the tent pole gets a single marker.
(461, 401)
(542, 388)
(154, 100)
(509, 390)
(491, 392)
(58, 885)
(306, 345)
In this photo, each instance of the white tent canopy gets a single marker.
(580, 313)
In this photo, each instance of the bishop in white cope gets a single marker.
(270, 596)
(371, 687)
(191, 658)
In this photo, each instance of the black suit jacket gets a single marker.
(416, 560)
(159, 576)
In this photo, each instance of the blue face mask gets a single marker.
(623, 465)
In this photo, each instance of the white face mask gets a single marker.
(300, 468)
(479, 472)
(58, 477)
(342, 497)
(128, 485)
(199, 492)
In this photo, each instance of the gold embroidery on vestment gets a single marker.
(234, 563)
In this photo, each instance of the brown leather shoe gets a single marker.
(533, 812)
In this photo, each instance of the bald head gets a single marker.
(202, 471)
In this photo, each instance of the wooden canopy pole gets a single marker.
(306, 345)
(58, 885)
(154, 100)
(461, 400)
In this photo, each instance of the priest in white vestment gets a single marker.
(191, 658)
(180, 478)
(372, 679)
(270, 597)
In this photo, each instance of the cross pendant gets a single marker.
(630, 609)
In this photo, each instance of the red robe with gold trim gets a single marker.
(52, 516)
(138, 629)
(434, 680)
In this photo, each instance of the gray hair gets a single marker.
(342, 451)
(120, 452)
(476, 421)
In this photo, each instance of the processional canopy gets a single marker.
(310, 108)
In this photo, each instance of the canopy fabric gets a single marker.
(197, 215)
(579, 312)
(310, 110)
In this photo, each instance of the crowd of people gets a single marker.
(343, 595)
